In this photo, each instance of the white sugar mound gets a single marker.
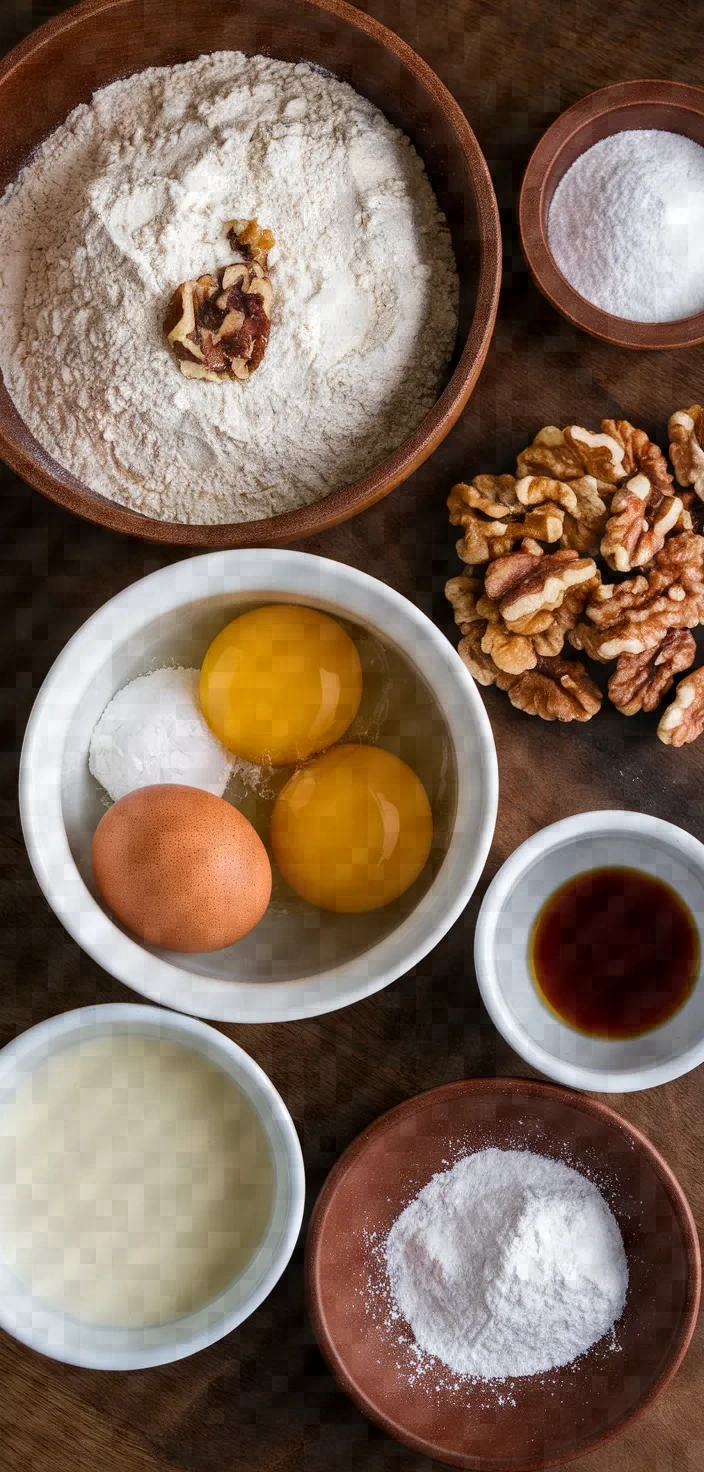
(626, 225)
(154, 731)
(507, 1264)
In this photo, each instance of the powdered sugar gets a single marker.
(128, 199)
(626, 225)
(507, 1264)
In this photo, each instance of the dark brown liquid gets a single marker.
(614, 952)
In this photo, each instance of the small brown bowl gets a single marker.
(673, 106)
(535, 1421)
(62, 64)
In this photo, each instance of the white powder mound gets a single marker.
(507, 1264)
(128, 199)
(626, 225)
(154, 731)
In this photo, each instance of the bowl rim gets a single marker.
(592, 823)
(529, 1088)
(261, 572)
(532, 216)
(60, 486)
(269, 1106)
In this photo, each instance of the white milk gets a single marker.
(136, 1181)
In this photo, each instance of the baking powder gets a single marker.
(128, 199)
(507, 1264)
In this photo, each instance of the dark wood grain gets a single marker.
(262, 1401)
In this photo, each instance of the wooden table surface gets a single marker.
(262, 1398)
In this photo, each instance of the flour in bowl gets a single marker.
(507, 1264)
(128, 199)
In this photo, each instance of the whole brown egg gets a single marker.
(181, 868)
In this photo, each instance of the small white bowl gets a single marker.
(302, 962)
(103, 1347)
(501, 950)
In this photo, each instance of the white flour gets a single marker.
(128, 199)
(626, 225)
(507, 1264)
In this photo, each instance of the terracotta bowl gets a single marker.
(531, 1422)
(669, 105)
(62, 64)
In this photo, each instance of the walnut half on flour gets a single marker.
(218, 326)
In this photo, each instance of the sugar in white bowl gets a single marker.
(153, 730)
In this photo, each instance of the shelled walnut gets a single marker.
(644, 509)
(493, 519)
(641, 517)
(462, 592)
(529, 585)
(640, 681)
(641, 455)
(555, 689)
(218, 326)
(584, 528)
(683, 721)
(529, 602)
(686, 430)
(568, 454)
(634, 616)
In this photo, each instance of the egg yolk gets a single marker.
(280, 683)
(352, 830)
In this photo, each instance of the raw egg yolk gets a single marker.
(280, 683)
(352, 830)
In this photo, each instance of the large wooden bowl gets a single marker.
(534, 1421)
(62, 64)
(673, 106)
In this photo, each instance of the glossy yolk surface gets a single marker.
(280, 683)
(352, 830)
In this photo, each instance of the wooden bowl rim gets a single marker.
(532, 217)
(60, 486)
(528, 1088)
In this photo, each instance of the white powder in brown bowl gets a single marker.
(128, 199)
(507, 1264)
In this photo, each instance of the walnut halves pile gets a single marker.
(218, 326)
(583, 504)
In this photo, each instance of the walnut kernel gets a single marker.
(640, 520)
(218, 327)
(248, 237)
(640, 681)
(556, 690)
(683, 721)
(686, 430)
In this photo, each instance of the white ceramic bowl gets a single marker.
(301, 962)
(511, 905)
(107, 1348)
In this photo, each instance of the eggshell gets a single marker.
(181, 868)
